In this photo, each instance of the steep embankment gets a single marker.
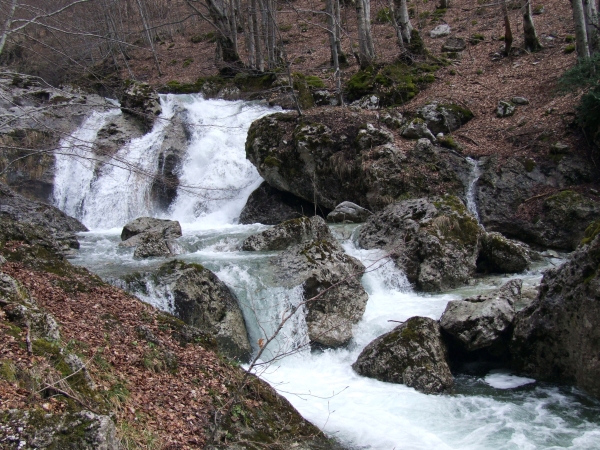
(79, 358)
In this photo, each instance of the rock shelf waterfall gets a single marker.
(494, 410)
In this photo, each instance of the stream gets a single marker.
(486, 410)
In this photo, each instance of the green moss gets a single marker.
(271, 161)
(206, 37)
(529, 165)
(476, 38)
(449, 142)
(383, 16)
(569, 49)
(591, 232)
(8, 371)
(247, 82)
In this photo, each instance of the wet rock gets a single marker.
(505, 109)
(440, 31)
(434, 240)
(484, 321)
(151, 237)
(417, 129)
(454, 44)
(287, 234)
(348, 212)
(557, 337)
(502, 255)
(323, 268)
(203, 301)
(271, 206)
(506, 190)
(142, 101)
(444, 117)
(413, 354)
(317, 159)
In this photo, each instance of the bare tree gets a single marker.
(366, 51)
(508, 37)
(401, 21)
(581, 38)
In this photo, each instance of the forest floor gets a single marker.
(479, 79)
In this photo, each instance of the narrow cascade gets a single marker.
(75, 164)
(472, 185)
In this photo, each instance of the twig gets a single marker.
(28, 338)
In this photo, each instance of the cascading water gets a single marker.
(215, 181)
(471, 188)
(494, 411)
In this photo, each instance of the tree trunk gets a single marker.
(591, 23)
(334, 45)
(508, 37)
(403, 19)
(226, 32)
(532, 42)
(7, 24)
(444, 4)
(581, 38)
(366, 52)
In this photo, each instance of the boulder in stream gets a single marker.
(287, 234)
(348, 212)
(434, 240)
(151, 237)
(203, 301)
(557, 338)
(499, 254)
(325, 270)
(413, 354)
(484, 321)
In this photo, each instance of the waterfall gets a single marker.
(215, 177)
(471, 187)
(75, 164)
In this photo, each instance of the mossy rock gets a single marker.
(591, 232)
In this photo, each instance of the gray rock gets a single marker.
(169, 229)
(505, 109)
(435, 241)
(61, 227)
(502, 255)
(142, 101)
(271, 206)
(444, 117)
(370, 137)
(417, 129)
(203, 301)
(151, 237)
(557, 338)
(484, 321)
(413, 354)
(368, 102)
(323, 268)
(561, 217)
(519, 101)
(348, 212)
(454, 44)
(83, 430)
(440, 30)
(322, 163)
(393, 119)
(287, 234)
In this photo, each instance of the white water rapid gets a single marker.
(495, 410)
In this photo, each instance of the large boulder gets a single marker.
(413, 354)
(201, 300)
(287, 234)
(348, 212)
(271, 206)
(325, 270)
(151, 237)
(61, 227)
(557, 338)
(499, 254)
(484, 321)
(141, 101)
(444, 117)
(327, 160)
(434, 240)
(511, 199)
